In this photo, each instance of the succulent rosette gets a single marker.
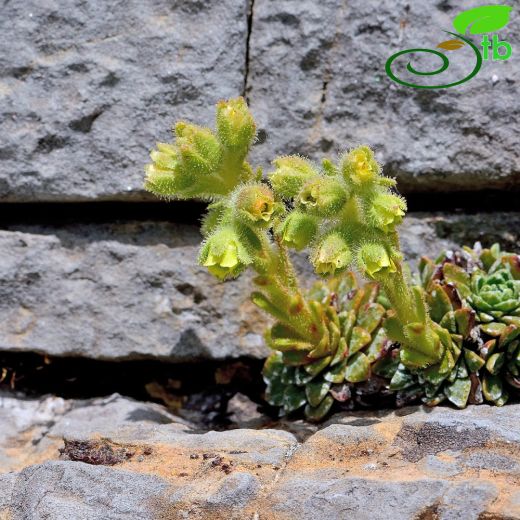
(475, 295)
(353, 362)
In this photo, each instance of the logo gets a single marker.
(478, 21)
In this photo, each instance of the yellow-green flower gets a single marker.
(375, 261)
(298, 229)
(323, 196)
(223, 254)
(235, 124)
(256, 203)
(387, 211)
(332, 255)
(291, 173)
(360, 166)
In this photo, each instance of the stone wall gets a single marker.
(87, 88)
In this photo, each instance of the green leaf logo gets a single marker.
(485, 19)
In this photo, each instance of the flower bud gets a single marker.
(223, 254)
(374, 261)
(298, 229)
(387, 211)
(163, 176)
(256, 203)
(359, 166)
(323, 196)
(332, 255)
(291, 173)
(198, 149)
(235, 125)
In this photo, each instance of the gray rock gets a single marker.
(64, 490)
(440, 429)
(235, 491)
(87, 89)
(362, 465)
(323, 494)
(7, 483)
(317, 85)
(33, 429)
(133, 290)
(130, 291)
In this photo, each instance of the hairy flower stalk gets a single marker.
(207, 165)
(356, 215)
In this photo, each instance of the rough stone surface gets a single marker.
(415, 463)
(88, 87)
(33, 429)
(58, 490)
(317, 85)
(133, 290)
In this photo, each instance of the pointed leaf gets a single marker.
(458, 392)
(402, 379)
(358, 368)
(457, 276)
(438, 301)
(493, 329)
(318, 413)
(495, 362)
(510, 333)
(375, 349)
(492, 388)
(336, 374)
(370, 316)
(473, 361)
(465, 319)
(274, 393)
(302, 377)
(316, 392)
(273, 366)
(341, 352)
(318, 365)
(293, 398)
(360, 338)
(386, 367)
